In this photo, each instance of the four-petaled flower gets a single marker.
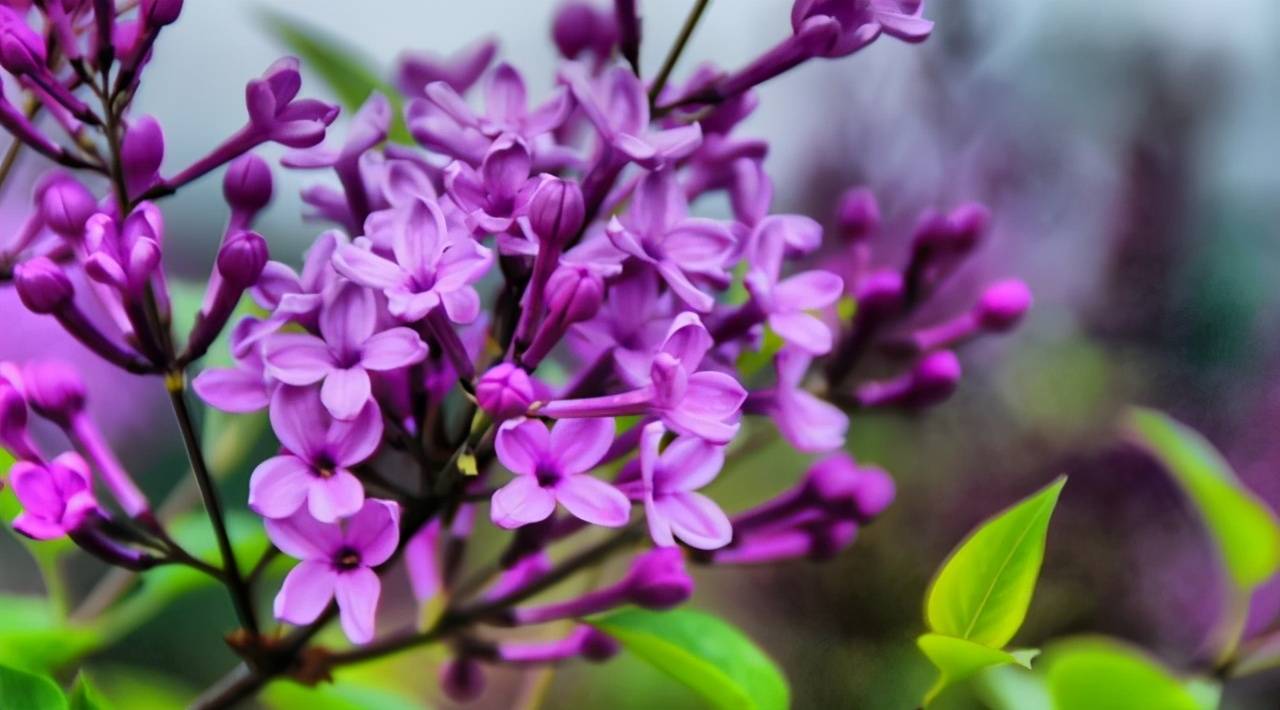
(669, 483)
(499, 191)
(55, 497)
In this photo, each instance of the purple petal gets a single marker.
(348, 318)
(690, 424)
(374, 531)
(593, 501)
(303, 537)
(658, 202)
(549, 115)
(676, 143)
(422, 562)
(34, 486)
(334, 497)
(299, 420)
(810, 424)
(420, 238)
(684, 288)
(461, 305)
(351, 441)
(297, 358)
(232, 389)
(689, 463)
(808, 290)
(465, 186)
(696, 519)
(506, 167)
(698, 244)
(279, 485)
(38, 528)
(579, 444)
(522, 444)
(305, 593)
(391, 349)
(520, 502)
(366, 268)
(624, 100)
(803, 331)
(505, 98)
(357, 592)
(687, 340)
(345, 392)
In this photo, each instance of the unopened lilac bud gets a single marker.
(13, 421)
(881, 292)
(574, 294)
(1002, 305)
(579, 27)
(43, 286)
(66, 205)
(242, 258)
(462, 679)
(832, 483)
(505, 391)
(934, 378)
(556, 211)
(54, 390)
(874, 492)
(158, 13)
(658, 580)
(932, 231)
(857, 215)
(247, 185)
(22, 49)
(968, 222)
(826, 541)
(142, 153)
(596, 646)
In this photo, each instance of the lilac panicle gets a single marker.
(337, 561)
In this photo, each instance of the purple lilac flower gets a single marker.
(862, 21)
(670, 480)
(244, 387)
(337, 563)
(506, 106)
(347, 352)
(415, 70)
(319, 454)
(616, 104)
(493, 196)
(55, 498)
(808, 423)
(552, 466)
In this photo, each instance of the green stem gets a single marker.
(673, 55)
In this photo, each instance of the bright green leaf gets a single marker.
(984, 588)
(1012, 688)
(702, 652)
(1246, 531)
(344, 693)
(347, 73)
(1102, 674)
(958, 660)
(34, 637)
(84, 696)
(19, 689)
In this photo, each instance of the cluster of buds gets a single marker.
(414, 368)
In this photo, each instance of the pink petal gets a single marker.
(687, 340)
(335, 497)
(374, 531)
(279, 485)
(461, 305)
(299, 419)
(345, 392)
(366, 268)
(713, 430)
(305, 593)
(505, 98)
(297, 358)
(593, 501)
(809, 423)
(522, 444)
(713, 394)
(579, 444)
(351, 441)
(357, 592)
(697, 520)
(698, 244)
(520, 502)
(36, 490)
(802, 330)
(808, 290)
(303, 537)
(392, 348)
(626, 241)
(232, 389)
(684, 288)
(348, 318)
(420, 238)
(689, 463)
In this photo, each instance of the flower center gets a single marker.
(547, 476)
(324, 466)
(347, 559)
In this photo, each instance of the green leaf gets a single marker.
(34, 637)
(84, 696)
(19, 689)
(347, 73)
(982, 592)
(1095, 673)
(702, 652)
(1245, 530)
(958, 660)
(342, 694)
(1012, 688)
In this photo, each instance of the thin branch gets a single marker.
(673, 55)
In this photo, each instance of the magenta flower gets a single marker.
(657, 231)
(320, 451)
(552, 466)
(337, 562)
(616, 104)
(431, 267)
(275, 110)
(126, 256)
(493, 196)
(415, 70)
(787, 304)
(245, 387)
(506, 106)
(293, 297)
(631, 325)
(670, 480)
(862, 21)
(55, 497)
(347, 352)
(808, 422)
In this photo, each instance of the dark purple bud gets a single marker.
(242, 258)
(874, 492)
(43, 286)
(597, 647)
(142, 153)
(66, 205)
(556, 211)
(932, 231)
(1002, 305)
(574, 294)
(54, 390)
(934, 378)
(857, 215)
(158, 13)
(832, 483)
(658, 580)
(505, 391)
(580, 27)
(880, 293)
(247, 185)
(968, 223)
(462, 679)
(22, 50)
(826, 541)
(13, 422)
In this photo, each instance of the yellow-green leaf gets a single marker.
(958, 660)
(19, 689)
(1094, 673)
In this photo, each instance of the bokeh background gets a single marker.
(1131, 154)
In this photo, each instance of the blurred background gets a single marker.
(1130, 152)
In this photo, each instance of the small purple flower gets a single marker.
(345, 354)
(293, 297)
(276, 112)
(808, 422)
(506, 106)
(670, 480)
(55, 498)
(631, 325)
(320, 453)
(240, 389)
(415, 70)
(862, 21)
(337, 562)
(787, 303)
(552, 466)
(493, 196)
(616, 104)
(431, 267)
(657, 231)
(126, 256)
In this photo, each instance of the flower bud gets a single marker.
(43, 286)
(1003, 304)
(556, 211)
(827, 540)
(932, 231)
(66, 205)
(462, 679)
(574, 294)
(874, 492)
(247, 184)
(880, 293)
(658, 579)
(596, 646)
(857, 215)
(54, 390)
(242, 258)
(579, 27)
(158, 13)
(13, 417)
(832, 483)
(968, 222)
(142, 153)
(22, 50)
(505, 391)
(934, 378)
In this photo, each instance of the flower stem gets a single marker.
(673, 55)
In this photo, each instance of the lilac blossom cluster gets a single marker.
(428, 332)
